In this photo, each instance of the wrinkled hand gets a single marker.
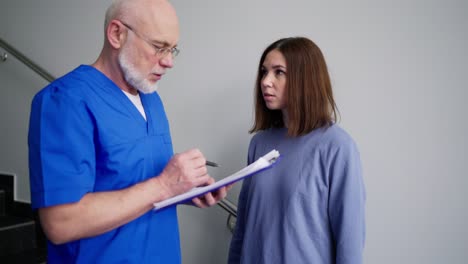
(184, 171)
(211, 198)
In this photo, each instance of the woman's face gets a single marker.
(273, 82)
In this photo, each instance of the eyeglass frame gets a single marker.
(162, 52)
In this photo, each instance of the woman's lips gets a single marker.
(268, 97)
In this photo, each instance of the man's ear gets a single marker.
(116, 34)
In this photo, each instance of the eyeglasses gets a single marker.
(161, 52)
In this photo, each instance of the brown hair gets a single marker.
(308, 88)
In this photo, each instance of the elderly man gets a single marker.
(101, 151)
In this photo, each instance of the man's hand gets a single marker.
(211, 198)
(184, 171)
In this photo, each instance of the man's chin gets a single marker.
(149, 87)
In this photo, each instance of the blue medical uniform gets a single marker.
(86, 136)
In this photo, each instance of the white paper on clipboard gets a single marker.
(260, 164)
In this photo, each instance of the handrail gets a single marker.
(21, 57)
(228, 206)
(225, 203)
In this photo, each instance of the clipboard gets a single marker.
(262, 163)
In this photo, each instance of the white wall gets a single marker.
(399, 70)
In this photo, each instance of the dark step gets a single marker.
(25, 257)
(21, 237)
(6, 187)
(17, 234)
(2, 202)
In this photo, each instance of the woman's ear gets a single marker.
(116, 34)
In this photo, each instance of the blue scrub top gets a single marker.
(85, 136)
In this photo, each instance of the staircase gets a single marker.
(21, 238)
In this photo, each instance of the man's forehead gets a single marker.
(159, 24)
(164, 33)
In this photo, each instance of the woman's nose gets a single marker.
(266, 81)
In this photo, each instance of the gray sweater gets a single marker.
(308, 208)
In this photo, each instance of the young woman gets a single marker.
(308, 208)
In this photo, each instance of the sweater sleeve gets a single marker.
(346, 203)
(235, 250)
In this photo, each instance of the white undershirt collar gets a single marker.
(136, 100)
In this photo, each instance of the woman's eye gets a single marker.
(280, 72)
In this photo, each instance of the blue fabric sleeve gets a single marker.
(61, 148)
(346, 203)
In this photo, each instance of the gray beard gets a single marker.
(133, 77)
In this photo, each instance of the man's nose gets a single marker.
(167, 61)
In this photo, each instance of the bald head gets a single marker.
(148, 14)
(140, 37)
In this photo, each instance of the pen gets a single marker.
(212, 164)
